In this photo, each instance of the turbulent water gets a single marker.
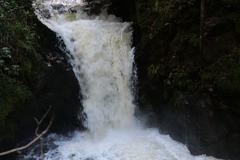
(102, 59)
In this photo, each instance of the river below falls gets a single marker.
(131, 144)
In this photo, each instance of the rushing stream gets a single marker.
(101, 54)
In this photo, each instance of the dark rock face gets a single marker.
(59, 88)
(203, 130)
(123, 9)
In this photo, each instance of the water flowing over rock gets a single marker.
(101, 54)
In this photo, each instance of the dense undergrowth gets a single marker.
(169, 48)
(20, 60)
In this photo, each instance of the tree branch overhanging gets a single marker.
(38, 135)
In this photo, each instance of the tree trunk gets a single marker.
(202, 20)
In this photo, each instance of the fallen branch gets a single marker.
(38, 136)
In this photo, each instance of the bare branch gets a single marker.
(42, 119)
(45, 115)
(34, 140)
(36, 120)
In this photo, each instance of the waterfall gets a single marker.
(101, 54)
(102, 60)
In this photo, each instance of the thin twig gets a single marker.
(42, 119)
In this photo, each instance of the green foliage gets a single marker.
(20, 59)
(153, 70)
(5, 62)
(170, 38)
(224, 75)
(188, 37)
(154, 15)
(19, 43)
(6, 52)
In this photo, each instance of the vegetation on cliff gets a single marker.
(194, 94)
(170, 43)
(20, 60)
(32, 70)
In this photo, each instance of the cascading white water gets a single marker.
(102, 60)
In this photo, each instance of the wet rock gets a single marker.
(59, 88)
(61, 9)
(45, 13)
(58, 6)
(93, 7)
(199, 125)
(123, 9)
